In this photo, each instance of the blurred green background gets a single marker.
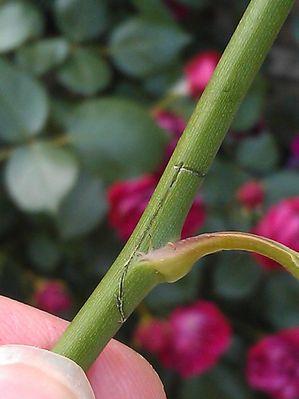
(79, 80)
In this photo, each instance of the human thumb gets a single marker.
(32, 373)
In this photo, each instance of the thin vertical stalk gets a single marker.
(123, 287)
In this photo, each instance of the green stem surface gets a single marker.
(123, 287)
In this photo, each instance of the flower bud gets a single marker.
(30, 372)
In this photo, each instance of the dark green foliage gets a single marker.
(79, 82)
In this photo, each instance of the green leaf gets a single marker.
(258, 154)
(155, 10)
(281, 298)
(23, 104)
(236, 276)
(221, 382)
(44, 253)
(85, 72)
(81, 19)
(83, 208)
(38, 58)
(39, 176)
(60, 112)
(135, 44)
(250, 111)
(116, 138)
(157, 85)
(222, 182)
(281, 185)
(19, 22)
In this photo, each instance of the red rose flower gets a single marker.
(172, 123)
(273, 365)
(128, 199)
(200, 334)
(190, 341)
(199, 71)
(152, 335)
(280, 223)
(53, 297)
(251, 194)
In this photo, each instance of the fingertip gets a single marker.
(23, 324)
(120, 372)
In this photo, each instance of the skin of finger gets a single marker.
(12, 386)
(119, 372)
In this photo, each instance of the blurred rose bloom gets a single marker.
(152, 334)
(53, 297)
(280, 223)
(199, 70)
(129, 198)
(251, 194)
(273, 365)
(191, 341)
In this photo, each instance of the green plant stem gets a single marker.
(122, 289)
(175, 260)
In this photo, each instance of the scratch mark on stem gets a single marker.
(121, 288)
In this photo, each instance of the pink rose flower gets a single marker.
(280, 223)
(190, 341)
(152, 335)
(200, 334)
(127, 201)
(273, 365)
(172, 123)
(129, 198)
(199, 70)
(53, 297)
(251, 194)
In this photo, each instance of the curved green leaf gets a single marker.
(38, 177)
(23, 104)
(40, 57)
(81, 19)
(140, 47)
(116, 138)
(19, 21)
(83, 208)
(85, 72)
